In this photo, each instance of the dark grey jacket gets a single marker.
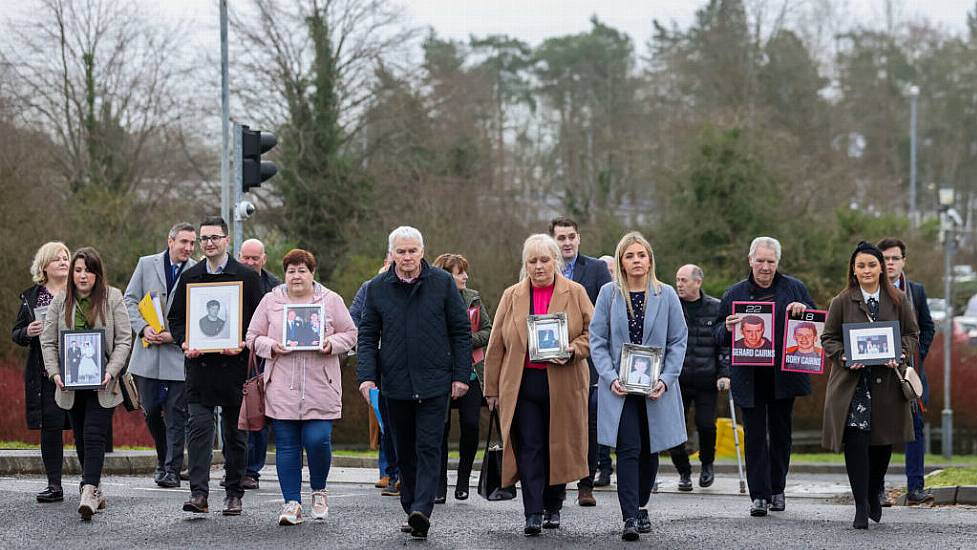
(426, 334)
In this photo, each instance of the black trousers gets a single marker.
(637, 466)
(54, 420)
(705, 423)
(866, 465)
(389, 448)
(530, 443)
(418, 430)
(767, 430)
(200, 448)
(90, 421)
(165, 408)
(469, 410)
(592, 450)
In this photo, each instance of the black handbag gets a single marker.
(490, 480)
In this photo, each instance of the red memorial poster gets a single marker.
(753, 335)
(802, 343)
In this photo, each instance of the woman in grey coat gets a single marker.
(638, 309)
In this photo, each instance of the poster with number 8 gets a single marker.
(802, 343)
(753, 335)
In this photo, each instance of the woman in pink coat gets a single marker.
(303, 388)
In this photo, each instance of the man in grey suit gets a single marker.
(592, 274)
(158, 367)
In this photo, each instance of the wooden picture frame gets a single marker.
(215, 320)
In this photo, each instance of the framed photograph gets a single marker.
(753, 335)
(303, 326)
(214, 320)
(82, 359)
(641, 367)
(40, 313)
(802, 343)
(548, 337)
(872, 343)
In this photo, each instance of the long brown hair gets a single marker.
(872, 250)
(93, 263)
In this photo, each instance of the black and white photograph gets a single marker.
(214, 316)
(872, 343)
(82, 359)
(302, 327)
(640, 368)
(548, 337)
(40, 313)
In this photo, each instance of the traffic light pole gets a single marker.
(238, 221)
(225, 120)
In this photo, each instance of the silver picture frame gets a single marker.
(640, 369)
(548, 337)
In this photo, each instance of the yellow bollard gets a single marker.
(725, 445)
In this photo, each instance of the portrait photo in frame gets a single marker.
(872, 343)
(548, 337)
(214, 320)
(753, 335)
(640, 368)
(303, 326)
(82, 359)
(802, 343)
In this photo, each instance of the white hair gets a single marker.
(766, 242)
(404, 232)
(540, 241)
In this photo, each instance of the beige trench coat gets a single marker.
(568, 384)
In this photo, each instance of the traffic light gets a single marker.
(253, 169)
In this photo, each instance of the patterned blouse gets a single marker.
(636, 323)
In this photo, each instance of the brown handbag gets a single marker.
(252, 415)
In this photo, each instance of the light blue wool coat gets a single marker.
(664, 327)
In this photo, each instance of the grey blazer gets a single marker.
(160, 362)
(118, 339)
(664, 327)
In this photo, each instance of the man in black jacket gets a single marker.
(592, 274)
(704, 373)
(765, 394)
(215, 379)
(425, 358)
(894, 252)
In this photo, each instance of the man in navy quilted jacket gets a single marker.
(424, 360)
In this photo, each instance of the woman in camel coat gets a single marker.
(543, 406)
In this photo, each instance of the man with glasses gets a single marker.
(215, 379)
(157, 362)
(894, 253)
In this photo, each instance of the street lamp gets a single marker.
(913, 96)
(947, 218)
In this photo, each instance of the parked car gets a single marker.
(937, 310)
(965, 327)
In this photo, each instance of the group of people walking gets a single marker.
(425, 344)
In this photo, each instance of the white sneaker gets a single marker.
(291, 514)
(320, 505)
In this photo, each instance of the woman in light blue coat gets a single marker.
(636, 308)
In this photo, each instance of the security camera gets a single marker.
(244, 210)
(955, 216)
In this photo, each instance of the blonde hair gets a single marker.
(45, 255)
(536, 242)
(620, 277)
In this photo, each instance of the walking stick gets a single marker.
(736, 438)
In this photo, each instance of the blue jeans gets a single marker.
(291, 436)
(915, 453)
(257, 450)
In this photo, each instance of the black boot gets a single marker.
(706, 476)
(534, 525)
(685, 482)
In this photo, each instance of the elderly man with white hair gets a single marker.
(765, 394)
(424, 361)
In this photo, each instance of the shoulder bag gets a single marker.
(252, 415)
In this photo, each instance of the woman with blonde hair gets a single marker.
(542, 404)
(49, 270)
(636, 308)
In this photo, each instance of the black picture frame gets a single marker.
(872, 343)
(82, 353)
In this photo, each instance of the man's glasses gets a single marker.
(204, 239)
(892, 258)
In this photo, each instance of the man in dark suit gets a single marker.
(592, 274)
(74, 359)
(215, 379)
(894, 252)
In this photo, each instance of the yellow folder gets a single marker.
(152, 311)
